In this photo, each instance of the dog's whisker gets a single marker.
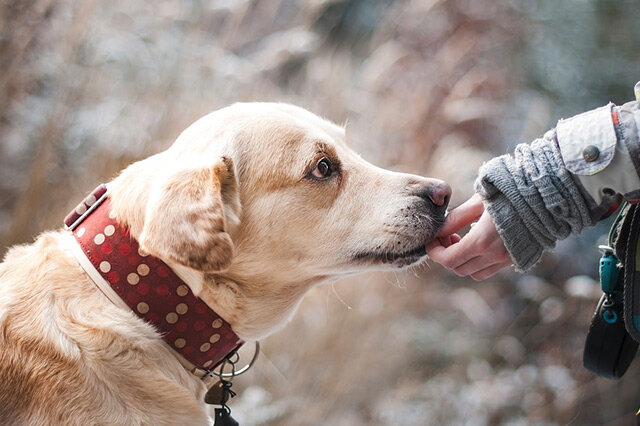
(278, 373)
(333, 288)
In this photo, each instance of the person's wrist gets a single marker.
(522, 247)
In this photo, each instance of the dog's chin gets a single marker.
(396, 259)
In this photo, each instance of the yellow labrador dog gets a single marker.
(251, 207)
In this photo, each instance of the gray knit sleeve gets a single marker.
(533, 200)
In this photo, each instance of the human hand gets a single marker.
(480, 254)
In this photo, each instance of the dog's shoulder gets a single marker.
(67, 352)
(30, 361)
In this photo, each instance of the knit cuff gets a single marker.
(533, 200)
(524, 250)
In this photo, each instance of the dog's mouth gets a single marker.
(404, 258)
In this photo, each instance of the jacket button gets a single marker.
(591, 153)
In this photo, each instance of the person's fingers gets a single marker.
(479, 249)
(449, 240)
(475, 264)
(491, 251)
(435, 250)
(435, 243)
(445, 241)
(462, 215)
(490, 271)
(453, 256)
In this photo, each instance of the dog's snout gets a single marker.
(435, 194)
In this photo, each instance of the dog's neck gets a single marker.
(256, 307)
(254, 312)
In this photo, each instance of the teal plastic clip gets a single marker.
(610, 316)
(608, 270)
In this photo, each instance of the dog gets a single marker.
(252, 206)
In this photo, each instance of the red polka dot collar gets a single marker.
(145, 284)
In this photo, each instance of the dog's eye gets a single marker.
(323, 169)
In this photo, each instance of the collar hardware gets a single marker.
(86, 207)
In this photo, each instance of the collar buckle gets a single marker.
(86, 207)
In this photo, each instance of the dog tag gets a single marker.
(223, 417)
(216, 394)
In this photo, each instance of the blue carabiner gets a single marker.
(609, 270)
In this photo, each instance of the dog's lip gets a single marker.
(392, 257)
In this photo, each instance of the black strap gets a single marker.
(619, 233)
(631, 233)
(609, 347)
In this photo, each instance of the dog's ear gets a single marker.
(185, 217)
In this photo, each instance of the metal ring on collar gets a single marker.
(244, 369)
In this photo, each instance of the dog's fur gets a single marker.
(236, 208)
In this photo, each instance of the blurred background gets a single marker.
(433, 87)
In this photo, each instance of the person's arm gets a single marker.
(545, 191)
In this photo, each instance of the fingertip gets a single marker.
(461, 216)
(451, 224)
(437, 253)
(432, 245)
(445, 241)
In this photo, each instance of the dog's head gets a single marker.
(270, 195)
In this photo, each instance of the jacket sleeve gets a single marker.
(563, 182)
(602, 149)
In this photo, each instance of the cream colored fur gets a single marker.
(234, 209)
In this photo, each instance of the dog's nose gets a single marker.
(436, 194)
(439, 194)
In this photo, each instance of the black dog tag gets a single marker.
(223, 418)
